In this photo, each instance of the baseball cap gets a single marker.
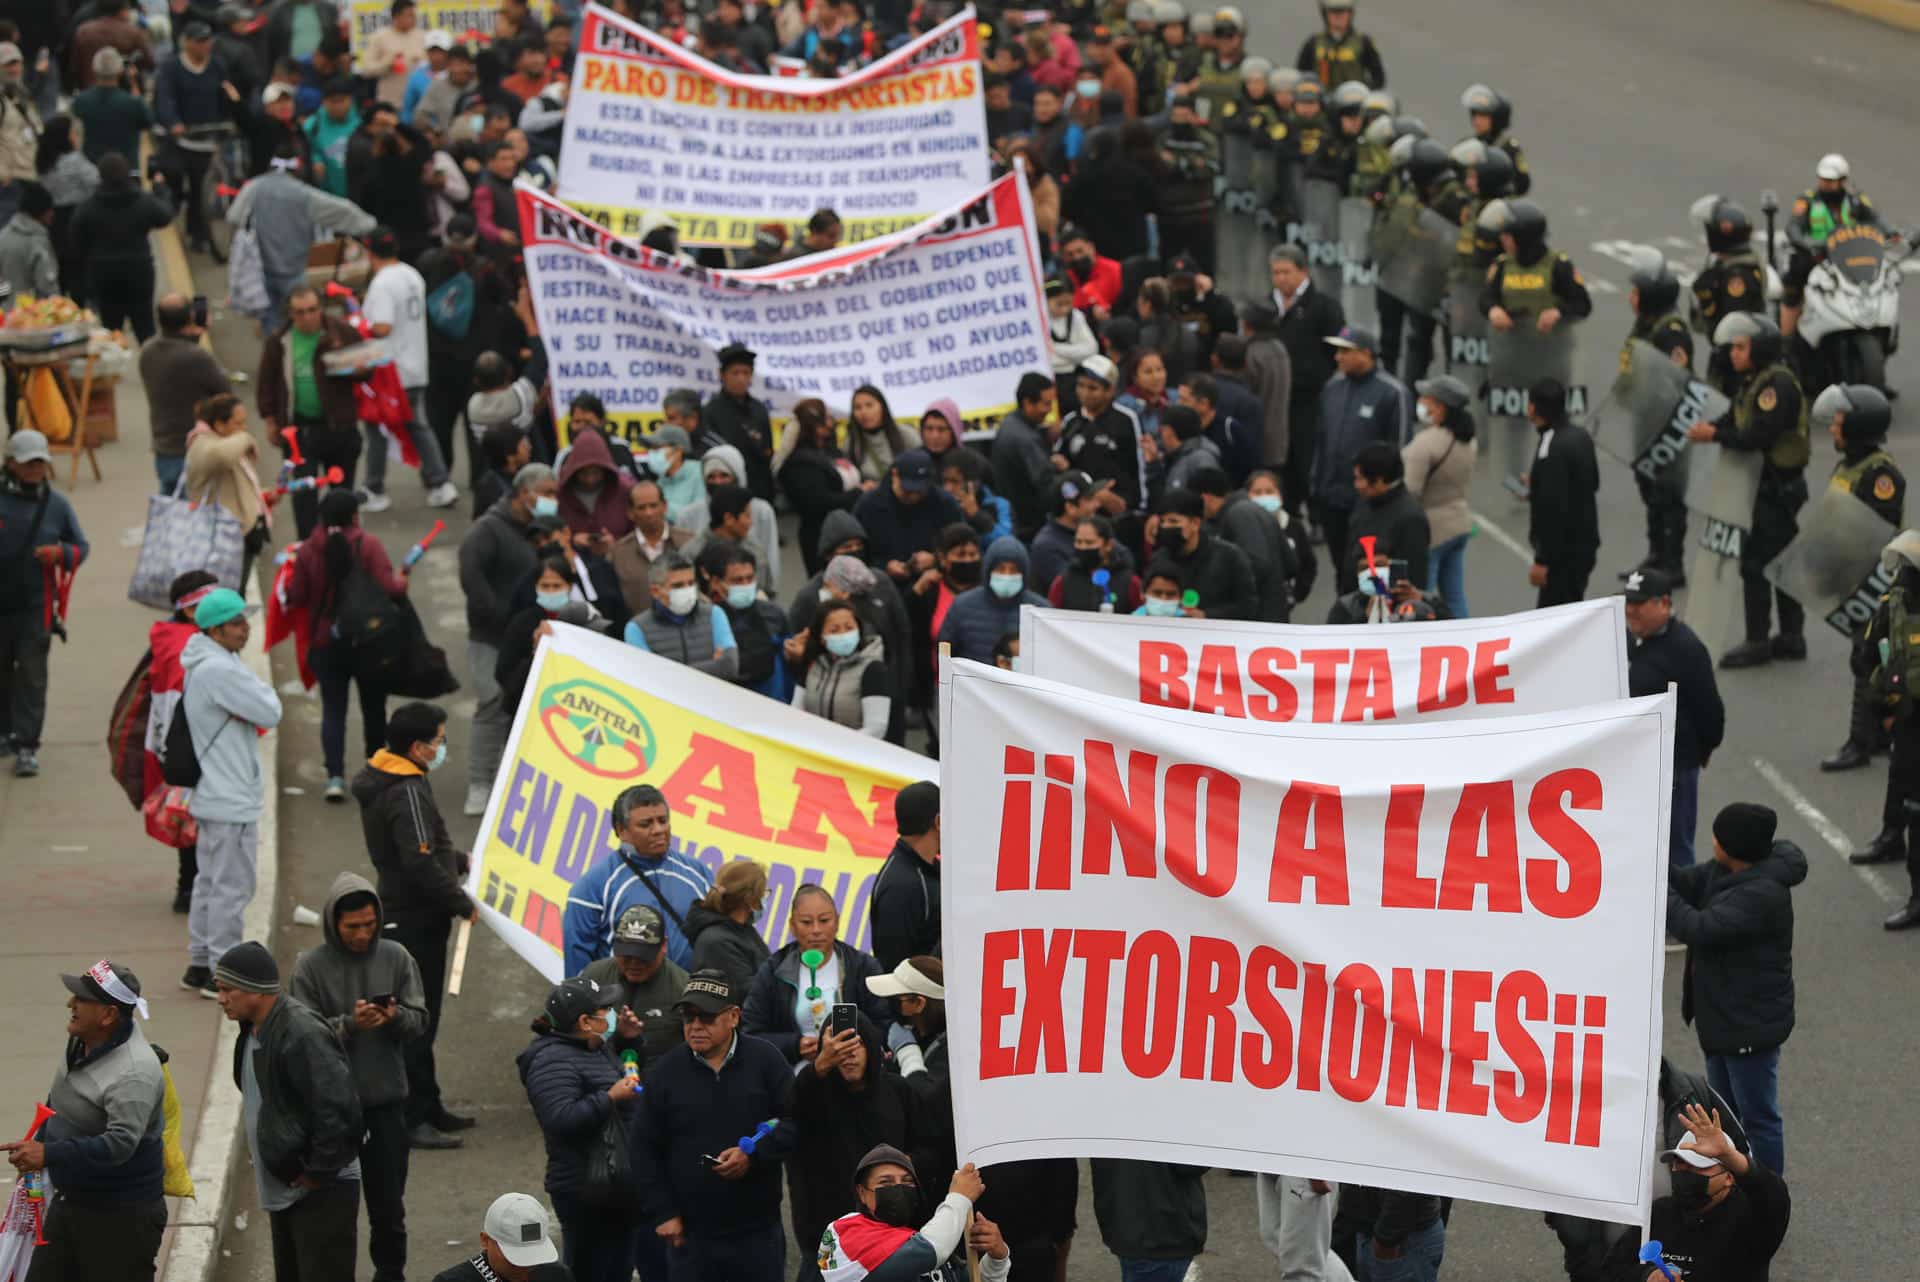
(905, 981)
(569, 999)
(275, 92)
(1354, 338)
(666, 435)
(1099, 369)
(1182, 265)
(197, 30)
(9, 53)
(222, 605)
(28, 446)
(736, 354)
(1699, 1161)
(107, 983)
(915, 469)
(1073, 485)
(518, 1224)
(438, 40)
(1647, 584)
(639, 933)
(708, 991)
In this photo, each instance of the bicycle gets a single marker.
(226, 172)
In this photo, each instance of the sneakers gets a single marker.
(476, 800)
(443, 495)
(375, 502)
(199, 979)
(426, 1136)
(26, 763)
(183, 899)
(336, 789)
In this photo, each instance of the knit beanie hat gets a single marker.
(1745, 831)
(248, 967)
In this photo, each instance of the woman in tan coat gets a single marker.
(221, 462)
(1439, 463)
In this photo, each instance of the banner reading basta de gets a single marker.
(951, 307)
(746, 778)
(1417, 956)
(651, 127)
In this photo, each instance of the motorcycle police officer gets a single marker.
(1858, 417)
(1491, 114)
(1654, 296)
(1337, 53)
(1821, 210)
(1530, 281)
(1769, 417)
(1894, 626)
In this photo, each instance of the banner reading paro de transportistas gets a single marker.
(464, 20)
(952, 307)
(746, 778)
(1419, 956)
(651, 127)
(1449, 670)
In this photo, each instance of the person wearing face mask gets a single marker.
(918, 1040)
(980, 616)
(1079, 587)
(1438, 462)
(554, 594)
(731, 575)
(576, 1087)
(682, 627)
(1234, 517)
(847, 680)
(419, 875)
(881, 1239)
(1096, 280)
(1165, 590)
(1218, 575)
(957, 569)
(724, 925)
(495, 556)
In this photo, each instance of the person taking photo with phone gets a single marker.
(368, 990)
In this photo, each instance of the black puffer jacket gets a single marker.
(835, 1127)
(769, 1012)
(566, 1080)
(309, 1110)
(1738, 929)
(725, 944)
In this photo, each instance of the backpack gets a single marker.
(127, 731)
(179, 763)
(450, 306)
(365, 616)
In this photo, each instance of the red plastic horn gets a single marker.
(291, 435)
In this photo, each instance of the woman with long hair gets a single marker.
(69, 178)
(1439, 464)
(816, 475)
(1148, 392)
(321, 567)
(846, 672)
(722, 926)
(874, 440)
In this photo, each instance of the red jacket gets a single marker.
(1102, 287)
(165, 680)
(311, 589)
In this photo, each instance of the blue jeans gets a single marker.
(433, 468)
(1751, 1083)
(1135, 1269)
(1447, 573)
(1686, 815)
(1418, 1261)
(168, 469)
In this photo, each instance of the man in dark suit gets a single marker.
(1564, 521)
(1307, 318)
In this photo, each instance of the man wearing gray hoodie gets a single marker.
(368, 990)
(227, 708)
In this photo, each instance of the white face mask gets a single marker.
(1421, 412)
(682, 600)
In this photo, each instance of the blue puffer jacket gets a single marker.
(977, 618)
(567, 1085)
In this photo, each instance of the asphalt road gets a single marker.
(1628, 111)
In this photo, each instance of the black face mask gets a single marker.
(1170, 539)
(898, 1205)
(1080, 266)
(963, 573)
(1089, 558)
(1692, 1190)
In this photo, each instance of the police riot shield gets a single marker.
(1359, 275)
(1417, 270)
(1467, 331)
(1317, 230)
(1239, 242)
(1517, 358)
(1833, 564)
(1721, 488)
(1647, 412)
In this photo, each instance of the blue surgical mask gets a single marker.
(1267, 502)
(439, 755)
(1006, 586)
(841, 644)
(1159, 608)
(741, 596)
(546, 505)
(1087, 88)
(552, 602)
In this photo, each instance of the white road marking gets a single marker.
(1829, 831)
(1488, 527)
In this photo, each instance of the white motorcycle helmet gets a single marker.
(1832, 168)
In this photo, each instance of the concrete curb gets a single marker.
(197, 1225)
(1904, 14)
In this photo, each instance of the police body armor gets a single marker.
(1821, 222)
(1791, 450)
(1338, 61)
(1734, 282)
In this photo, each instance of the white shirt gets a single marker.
(1286, 304)
(810, 1013)
(397, 297)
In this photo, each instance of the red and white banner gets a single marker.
(1417, 956)
(651, 127)
(949, 308)
(1449, 670)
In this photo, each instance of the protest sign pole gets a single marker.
(457, 964)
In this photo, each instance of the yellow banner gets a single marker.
(746, 778)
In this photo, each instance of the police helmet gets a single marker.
(1350, 99)
(1401, 153)
(1727, 225)
(1327, 6)
(1427, 162)
(1527, 224)
(1658, 287)
(1139, 11)
(1256, 69)
(1833, 167)
(1901, 553)
(1308, 90)
(1380, 132)
(1404, 126)
(1169, 13)
(1287, 78)
(1494, 217)
(1480, 100)
(1201, 24)
(1467, 153)
(1446, 389)
(1493, 172)
(1868, 416)
(1757, 328)
(1380, 103)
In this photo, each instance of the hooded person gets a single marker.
(981, 616)
(367, 988)
(725, 465)
(593, 493)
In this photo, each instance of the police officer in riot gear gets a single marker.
(1821, 210)
(1857, 417)
(1894, 626)
(1219, 80)
(1147, 58)
(1734, 280)
(1379, 103)
(1491, 115)
(1433, 179)
(1655, 298)
(1337, 53)
(1531, 283)
(1769, 417)
(1339, 146)
(1183, 56)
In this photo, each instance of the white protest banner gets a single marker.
(467, 21)
(952, 307)
(1416, 956)
(652, 127)
(1448, 670)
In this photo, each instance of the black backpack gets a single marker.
(179, 763)
(366, 617)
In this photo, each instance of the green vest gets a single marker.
(1791, 450)
(1528, 291)
(1899, 668)
(1338, 61)
(1847, 475)
(1820, 222)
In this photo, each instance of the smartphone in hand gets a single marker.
(844, 1016)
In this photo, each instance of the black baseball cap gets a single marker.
(572, 998)
(915, 469)
(708, 991)
(1647, 584)
(639, 933)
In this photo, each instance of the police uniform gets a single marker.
(1732, 282)
(1869, 473)
(1152, 72)
(1896, 625)
(1259, 119)
(1450, 199)
(1525, 290)
(1522, 176)
(1216, 85)
(1665, 495)
(1812, 222)
(1334, 62)
(1769, 417)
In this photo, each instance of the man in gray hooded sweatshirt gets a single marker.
(368, 990)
